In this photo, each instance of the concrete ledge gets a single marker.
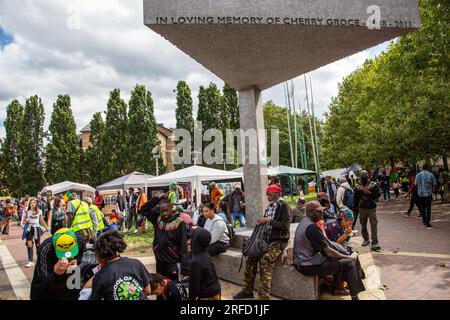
(288, 283)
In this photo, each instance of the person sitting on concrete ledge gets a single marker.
(340, 229)
(220, 242)
(298, 213)
(277, 219)
(314, 254)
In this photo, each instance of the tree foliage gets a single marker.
(31, 145)
(142, 130)
(395, 107)
(62, 157)
(10, 154)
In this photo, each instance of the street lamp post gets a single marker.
(156, 156)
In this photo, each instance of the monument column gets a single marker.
(254, 164)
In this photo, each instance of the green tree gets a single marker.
(10, 154)
(31, 145)
(142, 130)
(116, 139)
(95, 156)
(395, 107)
(232, 102)
(184, 112)
(62, 158)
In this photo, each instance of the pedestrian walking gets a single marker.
(8, 212)
(425, 182)
(34, 227)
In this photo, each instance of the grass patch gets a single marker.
(308, 198)
(139, 243)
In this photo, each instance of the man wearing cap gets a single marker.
(313, 254)
(277, 219)
(298, 213)
(173, 198)
(56, 258)
(236, 203)
(80, 217)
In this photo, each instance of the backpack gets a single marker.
(257, 244)
(349, 198)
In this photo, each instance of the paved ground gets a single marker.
(414, 262)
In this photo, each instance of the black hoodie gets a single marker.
(170, 242)
(203, 282)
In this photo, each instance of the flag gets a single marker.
(66, 197)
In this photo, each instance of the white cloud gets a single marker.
(112, 49)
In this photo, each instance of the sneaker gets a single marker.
(429, 226)
(29, 264)
(375, 247)
(125, 230)
(365, 243)
(243, 295)
(135, 231)
(406, 214)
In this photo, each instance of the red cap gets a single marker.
(274, 189)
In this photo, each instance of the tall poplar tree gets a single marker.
(31, 147)
(62, 158)
(116, 139)
(95, 157)
(184, 112)
(10, 154)
(143, 132)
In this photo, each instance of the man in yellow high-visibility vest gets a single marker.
(96, 216)
(79, 217)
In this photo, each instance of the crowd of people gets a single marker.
(187, 238)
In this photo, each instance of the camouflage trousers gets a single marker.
(267, 264)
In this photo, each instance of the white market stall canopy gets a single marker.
(67, 186)
(134, 179)
(282, 170)
(195, 175)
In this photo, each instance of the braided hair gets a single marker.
(109, 245)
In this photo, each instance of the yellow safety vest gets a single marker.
(101, 225)
(82, 219)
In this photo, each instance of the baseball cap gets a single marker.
(65, 243)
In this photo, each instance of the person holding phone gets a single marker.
(58, 257)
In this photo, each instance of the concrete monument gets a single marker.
(255, 44)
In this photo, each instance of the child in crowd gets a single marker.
(396, 186)
(203, 282)
(115, 219)
(166, 289)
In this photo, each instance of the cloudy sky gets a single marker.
(47, 48)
